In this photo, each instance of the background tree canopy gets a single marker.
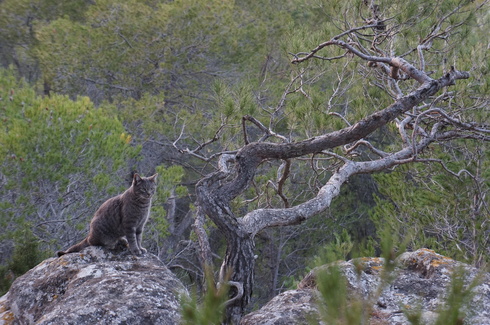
(92, 91)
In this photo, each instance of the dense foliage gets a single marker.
(94, 90)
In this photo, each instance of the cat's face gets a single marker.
(145, 187)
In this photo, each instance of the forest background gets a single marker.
(93, 91)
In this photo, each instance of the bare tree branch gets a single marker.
(268, 132)
(395, 62)
(239, 294)
(202, 238)
(250, 156)
(260, 219)
(368, 145)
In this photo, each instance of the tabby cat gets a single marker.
(121, 219)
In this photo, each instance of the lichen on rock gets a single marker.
(420, 283)
(95, 286)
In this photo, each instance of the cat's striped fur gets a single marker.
(121, 218)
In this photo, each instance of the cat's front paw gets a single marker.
(143, 250)
(136, 251)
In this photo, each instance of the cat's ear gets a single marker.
(136, 178)
(153, 178)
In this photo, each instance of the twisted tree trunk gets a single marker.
(216, 191)
(239, 261)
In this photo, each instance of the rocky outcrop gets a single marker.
(97, 286)
(290, 307)
(94, 286)
(419, 284)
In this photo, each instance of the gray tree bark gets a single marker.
(216, 191)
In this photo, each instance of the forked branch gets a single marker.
(396, 63)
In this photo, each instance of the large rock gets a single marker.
(288, 308)
(94, 286)
(420, 283)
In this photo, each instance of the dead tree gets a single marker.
(216, 191)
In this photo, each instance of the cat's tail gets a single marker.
(75, 248)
